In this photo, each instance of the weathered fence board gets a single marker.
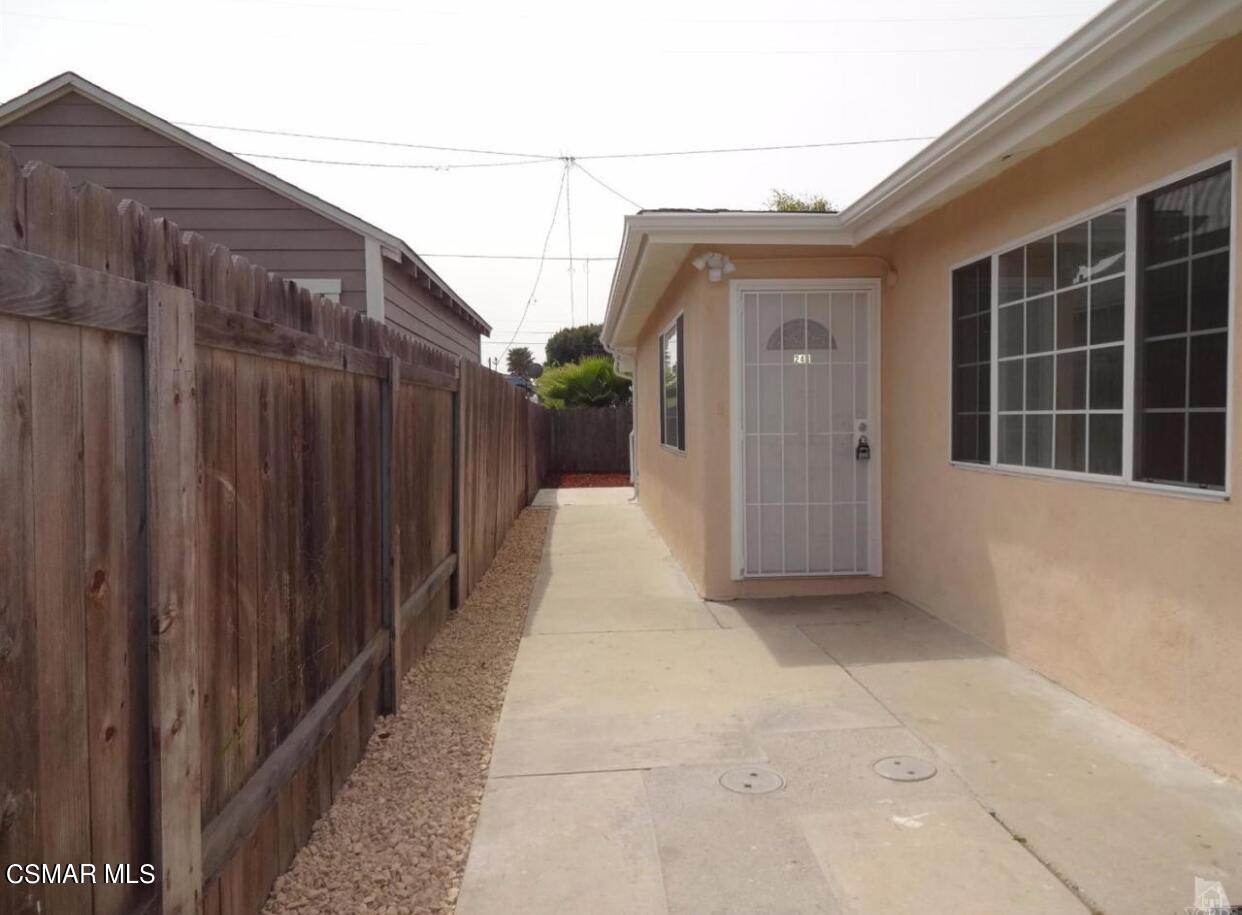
(194, 548)
(21, 839)
(590, 439)
(173, 554)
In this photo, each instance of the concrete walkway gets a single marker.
(630, 698)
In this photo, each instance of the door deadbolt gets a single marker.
(862, 451)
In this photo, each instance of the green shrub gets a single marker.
(593, 382)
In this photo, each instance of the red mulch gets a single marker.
(568, 480)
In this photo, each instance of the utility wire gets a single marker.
(429, 166)
(569, 235)
(745, 149)
(520, 257)
(608, 188)
(338, 139)
(560, 190)
(575, 160)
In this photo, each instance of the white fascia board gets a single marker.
(374, 262)
(654, 244)
(1129, 45)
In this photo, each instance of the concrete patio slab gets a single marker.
(833, 770)
(934, 856)
(753, 846)
(588, 702)
(1041, 803)
(600, 495)
(793, 611)
(596, 829)
(1121, 814)
(560, 613)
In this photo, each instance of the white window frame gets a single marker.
(1129, 202)
(681, 370)
(737, 431)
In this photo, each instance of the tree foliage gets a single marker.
(521, 361)
(784, 202)
(573, 344)
(593, 382)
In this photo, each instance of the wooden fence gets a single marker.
(232, 514)
(591, 439)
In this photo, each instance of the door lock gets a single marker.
(862, 451)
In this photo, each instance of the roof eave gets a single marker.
(1127, 46)
(68, 82)
(657, 243)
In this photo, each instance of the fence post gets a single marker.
(390, 678)
(172, 417)
(455, 581)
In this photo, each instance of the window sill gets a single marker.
(680, 452)
(1155, 489)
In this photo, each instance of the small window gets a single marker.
(672, 388)
(1182, 356)
(972, 357)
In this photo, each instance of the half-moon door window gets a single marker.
(801, 334)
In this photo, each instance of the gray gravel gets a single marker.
(395, 840)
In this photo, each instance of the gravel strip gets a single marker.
(395, 840)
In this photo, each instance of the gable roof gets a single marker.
(1126, 47)
(69, 82)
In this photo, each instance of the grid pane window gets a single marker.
(972, 362)
(1183, 331)
(672, 388)
(1061, 317)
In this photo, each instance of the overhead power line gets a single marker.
(547, 238)
(339, 139)
(574, 160)
(428, 166)
(608, 188)
(521, 257)
(747, 149)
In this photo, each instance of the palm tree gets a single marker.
(521, 362)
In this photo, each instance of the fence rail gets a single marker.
(232, 514)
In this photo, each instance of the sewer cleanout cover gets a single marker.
(752, 780)
(904, 768)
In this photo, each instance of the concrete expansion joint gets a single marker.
(1092, 906)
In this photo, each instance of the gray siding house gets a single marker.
(96, 136)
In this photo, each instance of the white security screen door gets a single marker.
(806, 438)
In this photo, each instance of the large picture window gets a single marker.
(1144, 284)
(672, 388)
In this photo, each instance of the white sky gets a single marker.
(552, 78)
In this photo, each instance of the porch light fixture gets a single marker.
(717, 265)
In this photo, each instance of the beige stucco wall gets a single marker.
(1132, 599)
(688, 497)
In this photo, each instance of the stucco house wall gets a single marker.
(1131, 598)
(688, 496)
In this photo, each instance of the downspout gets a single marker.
(623, 359)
